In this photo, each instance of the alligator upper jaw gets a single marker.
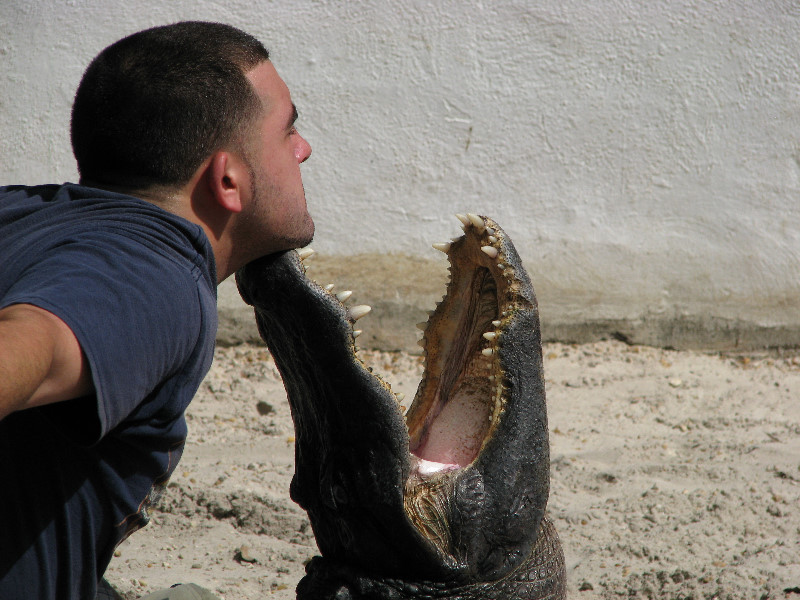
(456, 494)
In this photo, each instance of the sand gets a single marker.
(674, 475)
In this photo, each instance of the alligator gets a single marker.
(448, 500)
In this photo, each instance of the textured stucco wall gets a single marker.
(644, 156)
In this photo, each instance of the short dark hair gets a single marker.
(153, 106)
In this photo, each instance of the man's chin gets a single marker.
(308, 231)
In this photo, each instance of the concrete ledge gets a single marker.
(402, 289)
(692, 332)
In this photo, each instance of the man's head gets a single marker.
(196, 110)
(152, 106)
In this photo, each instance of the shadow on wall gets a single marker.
(402, 289)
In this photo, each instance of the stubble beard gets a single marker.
(256, 237)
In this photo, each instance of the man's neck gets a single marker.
(180, 202)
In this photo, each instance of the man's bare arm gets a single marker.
(40, 360)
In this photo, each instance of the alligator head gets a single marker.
(449, 500)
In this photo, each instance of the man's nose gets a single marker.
(303, 150)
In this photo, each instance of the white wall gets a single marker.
(644, 156)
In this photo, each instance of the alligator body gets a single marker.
(448, 500)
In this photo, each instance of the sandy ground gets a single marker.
(674, 475)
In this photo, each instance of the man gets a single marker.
(189, 168)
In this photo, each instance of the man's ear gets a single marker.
(228, 180)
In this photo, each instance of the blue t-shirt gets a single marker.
(137, 286)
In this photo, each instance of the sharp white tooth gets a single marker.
(359, 311)
(492, 239)
(501, 266)
(490, 251)
(400, 397)
(490, 378)
(305, 253)
(422, 326)
(343, 296)
(329, 287)
(489, 231)
(357, 332)
(497, 323)
(456, 239)
(487, 351)
(421, 343)
(442, 247)
(489, 335)
(477, 221)
(464, 220)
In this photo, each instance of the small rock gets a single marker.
(675, 382)
(243, 554)
(265, 408)
(585, 587)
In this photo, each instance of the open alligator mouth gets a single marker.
(448, 500)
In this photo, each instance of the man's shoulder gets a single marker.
(43, 218)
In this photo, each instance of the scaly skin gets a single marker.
(448, 502)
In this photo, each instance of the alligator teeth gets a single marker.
(304, 253)
(400, 397)
(422, 326)
(492, 239)
(442, 247)
(343, 296)
(329, 287)
(487, 351)
(489, 335)
(421, 343)
(464, 220)
(359, 311)
(476, 221)
(497, 323)
(489, 231)
(357, 332)
(501, 266)
(490, 251)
